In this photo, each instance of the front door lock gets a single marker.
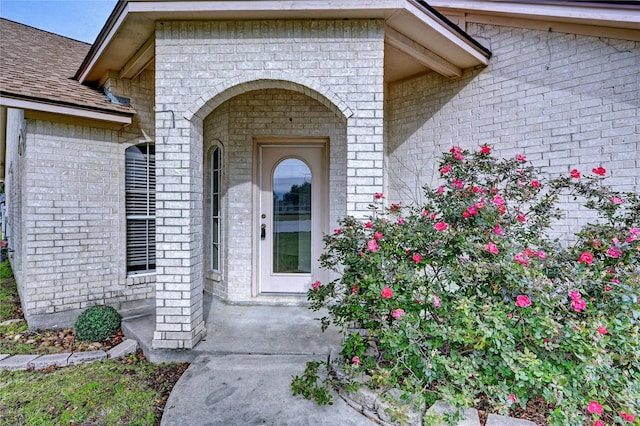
(263, 231)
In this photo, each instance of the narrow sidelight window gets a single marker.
(140, 202)
(216, 179)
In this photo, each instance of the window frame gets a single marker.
(215, 212)
(145, 198)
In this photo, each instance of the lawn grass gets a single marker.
(130, 392)
(9, 299)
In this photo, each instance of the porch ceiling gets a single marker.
(417, 37)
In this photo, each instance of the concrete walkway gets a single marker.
(241, 373)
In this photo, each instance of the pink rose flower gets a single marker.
(535, 184)
(523, 301)
(616, 200)
(522, 259)
(635, 232)
(598, 423)
(630, 418)
(440, 189)
(386, 293)
(614, 252)
(586, 257)
(372, 246)
(417, 257)
(601, 171)
(578, 305)
(315, 285)
(498, 200)
(458, 183)
(594, 407)
(378, 195)
(575, 174)
(337, 231)
(356, 360)
(521, 158)
(377, 235)
(575, 295)
(398, 313)
(491, 248)
(441, 226)
(457, 153)
(436, 300)
(512, 397)
(521, 217)
(498, 230)
(541, 254)
(602, 330)
(400, 221)
(446, 169)
(485, 150)
(368, 225)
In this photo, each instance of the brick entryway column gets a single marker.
(179, 239)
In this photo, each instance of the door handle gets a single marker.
(263, 231)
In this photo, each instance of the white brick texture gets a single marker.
(562, 100)
(203, 70)
(73, 247)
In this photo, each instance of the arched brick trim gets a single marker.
(246, 82)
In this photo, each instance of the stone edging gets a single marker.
(381, 407)
(40, 362)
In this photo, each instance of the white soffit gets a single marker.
(125, 38)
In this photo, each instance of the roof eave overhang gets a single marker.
(134, 20)
(47, 107)
(602, 14)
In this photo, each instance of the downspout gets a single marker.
(3, 140)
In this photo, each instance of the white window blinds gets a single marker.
(140, 204)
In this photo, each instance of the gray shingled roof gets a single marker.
(39, 66)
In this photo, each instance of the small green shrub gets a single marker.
(97, 323)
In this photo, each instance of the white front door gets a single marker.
(292, 216)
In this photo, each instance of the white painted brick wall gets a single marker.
(562, 100)
(69, 226)
(266, 112)
(73, 247)
(199, 66)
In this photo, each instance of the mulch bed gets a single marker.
(536, 411)
(60, 340)
(163, 381)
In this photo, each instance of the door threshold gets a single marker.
(297, 299)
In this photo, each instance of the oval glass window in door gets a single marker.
(292, 217)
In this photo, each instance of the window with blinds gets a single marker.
(140, 202)
(216, 178)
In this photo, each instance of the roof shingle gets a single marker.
(39, 66)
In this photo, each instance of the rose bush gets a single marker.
(468, 297)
